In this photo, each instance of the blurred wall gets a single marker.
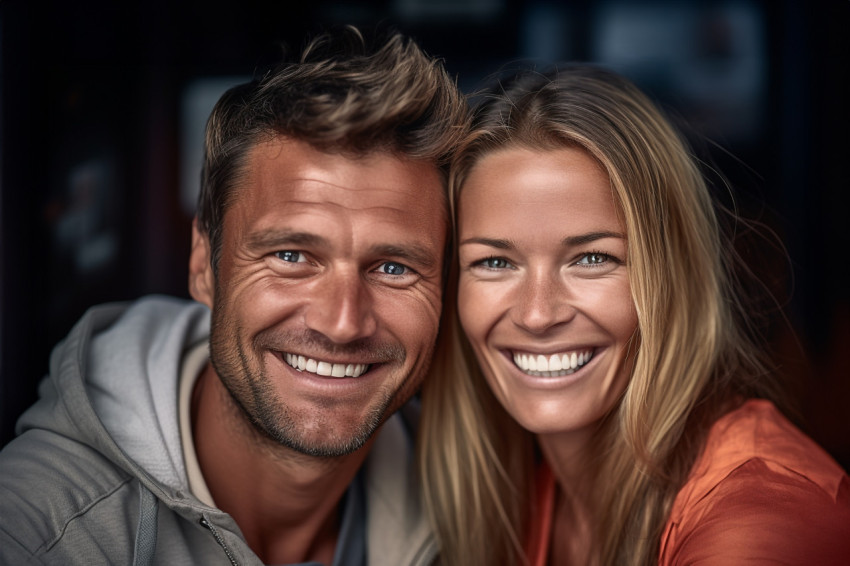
(103, 105)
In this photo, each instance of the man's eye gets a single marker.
(393, 268)
(290, 256)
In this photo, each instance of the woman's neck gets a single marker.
(571, 458)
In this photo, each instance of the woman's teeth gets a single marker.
(325, 368)
(553, 365)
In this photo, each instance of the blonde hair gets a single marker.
(694, 356)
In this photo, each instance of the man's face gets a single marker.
(328, 294)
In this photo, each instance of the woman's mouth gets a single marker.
(551, 365)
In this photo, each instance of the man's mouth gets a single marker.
(325, 369)
(552, 365)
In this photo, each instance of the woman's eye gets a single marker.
(290, 256)
(593, 259)
(495, 263)
(393, 268)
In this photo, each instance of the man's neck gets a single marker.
(285, 503)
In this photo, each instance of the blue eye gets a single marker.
(495, 263)
(593, 259)
(393, 268)
(289, 256)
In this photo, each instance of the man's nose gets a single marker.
(342, 308)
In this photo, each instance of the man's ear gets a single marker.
(201, 276)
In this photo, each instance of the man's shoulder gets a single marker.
(64, 492)
(63, 502)
(51, 487)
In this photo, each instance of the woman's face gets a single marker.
(544, 289)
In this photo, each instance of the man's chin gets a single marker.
(328, 450)
(324, 440)
(326, 447)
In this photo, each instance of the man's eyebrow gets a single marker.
(413, 253)
(283, 238)
(268, 239)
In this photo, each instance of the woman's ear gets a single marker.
(201, 276)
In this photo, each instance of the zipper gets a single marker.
(206, 524)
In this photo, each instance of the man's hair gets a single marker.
(344, 94)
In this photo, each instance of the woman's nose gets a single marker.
(543, 303)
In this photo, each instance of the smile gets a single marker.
(551, 365)
(326, 369)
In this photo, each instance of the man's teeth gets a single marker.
(554, 365)
(325, 368)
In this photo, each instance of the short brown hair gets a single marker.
(343, 94)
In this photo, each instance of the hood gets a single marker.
(112, 384)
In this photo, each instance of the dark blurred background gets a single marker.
(103, 108)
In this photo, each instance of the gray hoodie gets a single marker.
(96, 475)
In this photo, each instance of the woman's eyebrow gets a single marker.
(590, 237)
(492, 242)
(578, 240)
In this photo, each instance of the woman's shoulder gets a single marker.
(757, 431)
(761, 489)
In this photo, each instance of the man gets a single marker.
(267, 435)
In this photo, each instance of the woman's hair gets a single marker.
(344, 94)
(695, 356)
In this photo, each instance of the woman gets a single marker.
(619, 411)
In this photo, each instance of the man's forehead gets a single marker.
(298, 171)
(297, 175)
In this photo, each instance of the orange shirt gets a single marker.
(762, 492)
(537, 547)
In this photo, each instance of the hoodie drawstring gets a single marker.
(146, 533)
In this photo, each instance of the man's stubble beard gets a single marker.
(259, 406)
